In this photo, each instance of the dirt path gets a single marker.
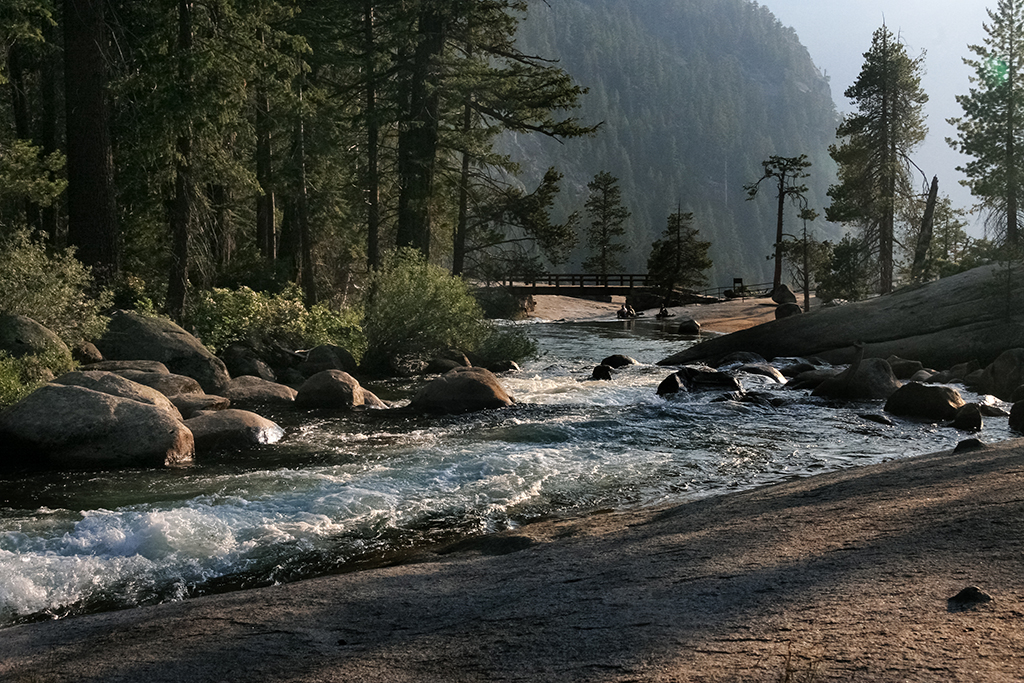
(840, 577)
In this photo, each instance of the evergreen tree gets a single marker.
(678, 260)
(992, 128)
(875, 147)
(786, 172)
(607, 222)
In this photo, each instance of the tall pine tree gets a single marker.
(992, 127)
(607, 222)
(876, 142)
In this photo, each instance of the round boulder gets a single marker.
(72, 427)
(327, 357)
(783, 295)
(330, 389)
(872, 378)
(929, 401)
(232, 429)
(1006, 373)
(1017, 417)
(462, 390)
(21, 336)
(690, 328)
(602, 372)
(619, 361)
(968, 418)
(130, 336)
(783, 311)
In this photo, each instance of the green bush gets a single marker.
(55, 289)
(19, 377)
(223, 316)
(507, 342)
(415, 308)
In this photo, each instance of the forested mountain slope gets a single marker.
(693, 96)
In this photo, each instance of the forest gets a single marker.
(293, 148)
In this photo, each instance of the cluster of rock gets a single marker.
(149, 394)
(908, 389)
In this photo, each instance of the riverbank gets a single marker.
(847, 574)
(722, 317)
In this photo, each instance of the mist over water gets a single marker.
(345, 488)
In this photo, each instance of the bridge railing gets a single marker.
(582, 280)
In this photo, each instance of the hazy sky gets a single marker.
(837, 33)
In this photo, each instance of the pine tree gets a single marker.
(876, 142)
(992, 128)
(607, 221)
(786, 172)
(678, 260)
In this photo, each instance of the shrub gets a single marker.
(55, 289)
(223, 316)
(19, 377)
(507, 342)
(415, 308)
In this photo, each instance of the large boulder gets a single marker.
(619, 361)
(941, 323)
(243, 360)
(930, 401)
(462, 390)
(1005, 374)
(331, 389)
(1016, 421)
(903, 368)
(783, 295)
(232, 429)
(116, 385)
(72, 427)
(871, 378)
(21, 336)
(327, 357)
(251, 390)
(130, 336)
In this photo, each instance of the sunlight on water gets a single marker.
(341, 486)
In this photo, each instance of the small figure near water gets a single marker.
(626, 311)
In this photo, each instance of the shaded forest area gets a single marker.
(181, 145)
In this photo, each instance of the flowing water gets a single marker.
(345, 489)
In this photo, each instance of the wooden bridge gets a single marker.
(617, 284)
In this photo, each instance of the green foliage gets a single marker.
(607, 222)
(53, 289)
(680, 257)
(19, 377)
(415, 308)
(507, 342)
(875, 147)
(223, 316)
(991, 130)
(26, 175)
(846, 274)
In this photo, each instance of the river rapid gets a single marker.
(345, 490)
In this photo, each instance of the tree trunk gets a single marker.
(92, 206)
(372, 145)
(266, 221)
(184, 184)
(777, 278)
(924, 240)
(418, 138)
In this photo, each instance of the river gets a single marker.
(345, 490)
